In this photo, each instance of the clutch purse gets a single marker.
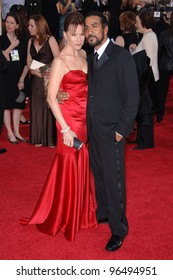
(21, 97)
(36, 64)
(77, 143)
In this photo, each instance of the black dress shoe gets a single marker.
(138, 148)
(2, 150)
(13, 141)
(114, 243)
(159, 119)
(21, 139)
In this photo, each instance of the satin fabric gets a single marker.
(67, 201)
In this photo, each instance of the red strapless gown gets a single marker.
(67, 200)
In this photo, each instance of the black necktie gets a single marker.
(96, 60)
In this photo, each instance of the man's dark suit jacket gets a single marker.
(113, 96)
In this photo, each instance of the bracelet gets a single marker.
(65, 130)
(21, 82)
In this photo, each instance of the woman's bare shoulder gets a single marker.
(58, 61)
(83, 53)
(52, 39)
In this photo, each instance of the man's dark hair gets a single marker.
(104, 21)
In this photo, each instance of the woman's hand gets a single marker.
(37, 73)
(62, 96)
(20, 85)
(15, 43)
(68, 138)
(132, 48)
(7, 56)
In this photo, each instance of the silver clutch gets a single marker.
(77, 143)
(21, 97)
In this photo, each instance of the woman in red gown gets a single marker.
(67, 200)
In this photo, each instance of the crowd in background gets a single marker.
(38, 26)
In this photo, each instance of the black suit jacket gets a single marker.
(113, 96)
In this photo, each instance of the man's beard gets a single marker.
(96, 42)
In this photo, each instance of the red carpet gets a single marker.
(149, 203)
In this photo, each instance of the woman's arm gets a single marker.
(56, 75)
(3, 62)
(54, 46)
(35, 72)
(29, 58)
(119, 41)
(63, 10)
(22, 78)
(12, 46)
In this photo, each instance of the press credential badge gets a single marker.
(14, 55)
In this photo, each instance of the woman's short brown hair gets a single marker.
(127, 21)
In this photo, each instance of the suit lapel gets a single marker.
(91, 64)
(104, 57)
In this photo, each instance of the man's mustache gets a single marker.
(91, 37)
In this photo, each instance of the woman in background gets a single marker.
(67, 201)
(128, 27)
(145, 130)
(14, 49)
(65, 7)
(3, 67)
(144, 23)
(21, 11)
(42, 47)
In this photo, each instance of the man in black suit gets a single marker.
(113, 100)
(3, 67)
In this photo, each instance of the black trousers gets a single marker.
(107, 163)
(145, 131)
(162, 90)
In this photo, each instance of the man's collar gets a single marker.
(101, 50)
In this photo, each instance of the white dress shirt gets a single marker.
(101, 50)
